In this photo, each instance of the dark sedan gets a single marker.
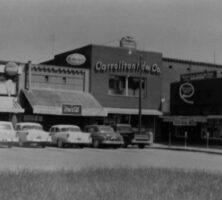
(104, 136)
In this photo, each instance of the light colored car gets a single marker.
(62, 135)
(31, 133)
(7, 134)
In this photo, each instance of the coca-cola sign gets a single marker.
(71, 109)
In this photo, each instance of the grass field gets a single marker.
(110, 184)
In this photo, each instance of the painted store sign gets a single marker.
(123, 66)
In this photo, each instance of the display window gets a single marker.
(212, 130)
(126, 86)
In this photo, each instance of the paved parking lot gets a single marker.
(51, 158)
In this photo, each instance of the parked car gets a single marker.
(69, 135)
(145, 137)
(29, 133)
(7, 134)
(126, 131)
(131, 135)
(104, 136)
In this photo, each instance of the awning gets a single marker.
(63, 102)
(214, 117)
(184, 118)
(131, 111)
(10, 105)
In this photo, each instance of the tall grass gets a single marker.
(110, 184)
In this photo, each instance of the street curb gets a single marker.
(187, 149)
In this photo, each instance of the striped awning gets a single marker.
(63, 102)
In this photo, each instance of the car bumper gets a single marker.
(8, 143)
(112, 143)
(146, 142)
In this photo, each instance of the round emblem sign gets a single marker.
(11, 69)
(76, 59)
(186, 91)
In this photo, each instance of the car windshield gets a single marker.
(5, 127)
(32, 127)
(124, 128)
(71, 129)
(105, 129)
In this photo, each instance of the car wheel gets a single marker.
(125, 145)
(95, 143)
(60, 144)
(141, 146)
(21, 144)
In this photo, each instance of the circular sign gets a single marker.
(11, 69)
(76, 59)
(186, 91)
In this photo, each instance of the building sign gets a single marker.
(123, 66)
(198, 75)
(184, 122)
(76, 59)
(11, 69)
(71, 109)
(186, 91)
(128, 42)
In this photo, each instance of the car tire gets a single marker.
(125, 145)
(60, 144)
(21, 144)
(95, 143)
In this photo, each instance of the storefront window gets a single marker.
(213, 129)
(133, 86)
(126, 86)
(117, 85)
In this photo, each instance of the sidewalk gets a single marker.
(210, 150)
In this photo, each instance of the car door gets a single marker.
(52, 134)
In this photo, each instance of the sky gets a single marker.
(36, 30)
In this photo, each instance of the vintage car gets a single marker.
(30, 133)
(104, 136)
(63, 135)
(132, 136)
(7, 134)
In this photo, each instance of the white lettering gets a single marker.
(126, 67)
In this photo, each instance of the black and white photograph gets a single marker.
(110, 100)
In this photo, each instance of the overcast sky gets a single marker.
(37, 29)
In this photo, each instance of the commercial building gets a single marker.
(100, 84)
(114, 81)
(10, 76)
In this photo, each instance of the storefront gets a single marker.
(114, 75)
(196, 109)
(58, 94)
(10, 108)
